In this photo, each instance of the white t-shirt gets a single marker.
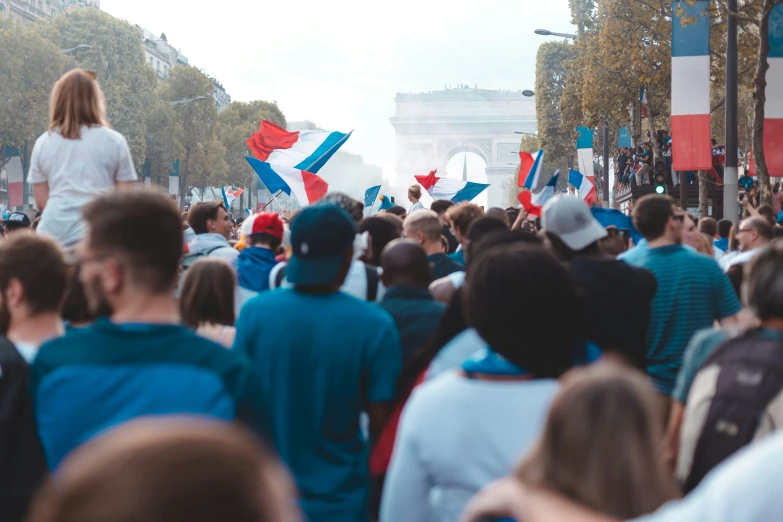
(77, 171)
(456, 435)
(744, 488)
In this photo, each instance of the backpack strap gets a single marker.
(279, 276)
(372, 283)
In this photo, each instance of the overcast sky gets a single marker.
(340, 63)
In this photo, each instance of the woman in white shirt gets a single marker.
(467, 428)
(414, 195)
(78, 158)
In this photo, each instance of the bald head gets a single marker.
(753, 233)
(404, 262)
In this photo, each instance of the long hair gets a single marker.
(76, 100)
(600, 444)
(208, 293)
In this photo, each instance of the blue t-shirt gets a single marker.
(636, 254)
(98, 377)
(322, 359)
(692, 293)
(722, 243)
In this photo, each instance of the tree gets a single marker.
(551, 78)
(29, 66)
(203, 156)
(235, 125)
(117, 58)
(163, 139)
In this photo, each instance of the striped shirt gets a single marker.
(692, 293)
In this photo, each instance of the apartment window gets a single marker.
(150, 60)
(165, 70)
(158, 66)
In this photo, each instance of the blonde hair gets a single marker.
(415, 191)
(705, 245)
(76, 100)
(600, 444)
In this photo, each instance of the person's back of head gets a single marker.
(76, 100)
(480, 228)
(461, 216)
(414, 192)
(398, 211)
(264, 229)
(724, 228)
(651, 215)
(33, 277)
(499, 213)
(207, 294)
(422, 226)
(600, 444)
(352, 207)
(75, 308)
(405, 263)
(764, 287)
(382, 232)
(138, 236)
(708, 226)
(759, 227)
(440, 206)
(766, 212)
(169, 470)
(571, 227)
(499, 278)
(203, 215)
(394, 220)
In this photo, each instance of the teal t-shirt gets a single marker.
(692, 293)
(321, 359)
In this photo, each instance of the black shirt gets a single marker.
(443, 265)
(617, 297)
(22, 462)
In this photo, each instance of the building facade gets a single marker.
(222, 99)
(26, 11)
(160, 54)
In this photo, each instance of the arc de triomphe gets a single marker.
(435, 126)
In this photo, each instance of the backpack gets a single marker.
(188, 259)
(732, 402)
(372, 281)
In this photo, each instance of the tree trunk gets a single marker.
(651, 125)
(760, 85)
(703, 194)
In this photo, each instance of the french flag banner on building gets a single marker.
(584, 185)
(455, 190)
(306, 150)
(15, 175)
(530, 166)
(773, 108)
(305, 187)
(584, 149)
(691, 145)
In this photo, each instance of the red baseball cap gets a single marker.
(267, 223)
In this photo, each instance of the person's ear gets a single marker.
(14, 294)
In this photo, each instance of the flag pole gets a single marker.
(274, 196)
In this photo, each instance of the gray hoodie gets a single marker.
(212, 245)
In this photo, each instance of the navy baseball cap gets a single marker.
(320, 235)
(18, 220)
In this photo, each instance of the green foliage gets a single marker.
(551, 79)
(235, 125)
(29, 67)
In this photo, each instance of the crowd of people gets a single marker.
(445, 364)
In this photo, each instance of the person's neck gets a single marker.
(36, 329)
(145, 308)
(773, 324)
(265, 247)
(662, 241)
(433, 248)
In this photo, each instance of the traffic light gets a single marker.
(659, 176)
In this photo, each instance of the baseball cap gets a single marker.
(18, 220)
(320, 236)
(570, 219)
(265, 223)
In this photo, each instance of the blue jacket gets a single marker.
(254, 265)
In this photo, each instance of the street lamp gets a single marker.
(546, 32)
(525, 133)
(80, 47)
(528, 93)
(187, 100)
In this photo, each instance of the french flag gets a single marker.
(305, 187)
(306, 150)
(533, 203)
(230, 195)
(530, 166)
(584, 185)
(773, 108)
(455, 190)
(691, 145)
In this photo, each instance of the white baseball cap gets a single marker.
(569, 218)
